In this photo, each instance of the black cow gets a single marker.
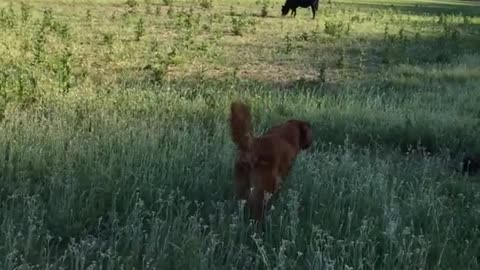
(294, 4)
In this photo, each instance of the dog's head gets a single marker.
(305, 133)
(285, 10)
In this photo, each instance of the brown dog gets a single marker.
(263, 161)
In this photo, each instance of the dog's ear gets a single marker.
(306, 134)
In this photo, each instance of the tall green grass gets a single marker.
(115, 150)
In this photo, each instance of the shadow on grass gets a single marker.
(467, 8)
(362, 114)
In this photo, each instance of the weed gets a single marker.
(288, 43)
(25, 12)
(348, 28)
(64, 70)
(417, 36)
(242, 24)
(148, 7)
(88, 16)
(4, 78)
(264, 7)
(131, 5)
(387, 54)
(336, 29)
(158, 73)
(442, 19)
(401, 35)
(39, 45)
(139, 29)
(386, 36)
(322, 73)
(356, 19)
(63, 31)
(341, 58)
(362, 59)
(47, 19)
(450, 32)
(186, 20)
(7, 17)
(304, 36)
(170, 11)
(108, 39)
(207, 4)
(24, 84)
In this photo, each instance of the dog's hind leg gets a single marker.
(264, 181)
(256, 203)
(242, 181)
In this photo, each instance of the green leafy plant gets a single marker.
(207, 4)
(131, 5)
(25, 12)
(336, 28)
(39, 44)
(264, 8)
(242, 24)
(8, 17)
(139, 29)
(64, 70)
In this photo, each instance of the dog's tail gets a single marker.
(241, 126)
(315, 4)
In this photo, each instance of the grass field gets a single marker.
(115, 151)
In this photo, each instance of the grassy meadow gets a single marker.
(115, 150)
